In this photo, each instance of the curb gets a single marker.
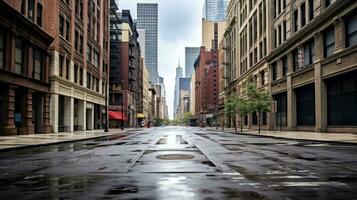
(280, 137)
(68, 141)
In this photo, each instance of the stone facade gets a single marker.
(306, 62)
(24, 69)
(79, 63)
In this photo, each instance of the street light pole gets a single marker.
(106, 129)
(122, 105)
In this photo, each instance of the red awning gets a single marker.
(117, 115)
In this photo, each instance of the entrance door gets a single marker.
(37, 112)
(89, 119)
(61, 113)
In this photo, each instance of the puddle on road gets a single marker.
(171, 140)
(175, 157)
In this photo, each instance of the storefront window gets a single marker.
(342, 100)
(305, 99)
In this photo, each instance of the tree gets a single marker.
(259, 101)
(243, 108)
(230, 108)
(186, 118)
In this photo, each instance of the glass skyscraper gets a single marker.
(191, 54)
(148, 20)
(215, 10)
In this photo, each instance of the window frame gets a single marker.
(329, 44)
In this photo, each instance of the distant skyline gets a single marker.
(179, 27)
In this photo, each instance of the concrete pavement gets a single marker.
(348, 138)
(22, 141)
(181, 163)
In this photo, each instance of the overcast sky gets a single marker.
(179, 27)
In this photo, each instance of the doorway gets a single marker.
(37, 112)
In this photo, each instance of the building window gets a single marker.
(279, 35)
(89, 76)
(23, 6)
(2, 49)
(37, 64)
(96, 59)
(68, 62)
(81, 76)
(61, 25)
(342, 100)
(329, 42)
(19, 56)
(80, 44)
(285, 65)
(89, 53)
(75, 73)
(39, 14)
(262, 77)
(303, 14)
(275, 38)
(309, 53)
(61, 63)
(351, 30)
(311, 9)
(296, 21)
(76, 40)
(296, 60)
(327, 3)
(68, 30)
(274, 71)
(31, 9)
(305, 99)
(284, 31)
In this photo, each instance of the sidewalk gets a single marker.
(22, 141)
(347, 138)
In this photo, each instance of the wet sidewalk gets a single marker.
(22, 141)
(348, 138)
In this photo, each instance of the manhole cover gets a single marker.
(175, 157)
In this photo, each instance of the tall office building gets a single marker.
(179, 75)
(148, 20)
(215, 10)
(191, 54)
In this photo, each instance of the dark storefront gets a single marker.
(305, 105)
(342, 100)
(281, 109)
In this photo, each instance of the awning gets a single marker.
(116, 115)
(140, 116)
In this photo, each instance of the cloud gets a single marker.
(179, 26)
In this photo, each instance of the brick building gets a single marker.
(206, 86)
(79, 62)
(24, 68)
(125, 67)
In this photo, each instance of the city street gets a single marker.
(181, 163)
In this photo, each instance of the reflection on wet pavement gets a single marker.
(181, 163)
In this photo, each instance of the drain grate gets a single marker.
(175, 157)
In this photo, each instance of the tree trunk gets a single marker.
(241, 123)
(258, 122)
(235, 124)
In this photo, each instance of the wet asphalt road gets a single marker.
(181, 163)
